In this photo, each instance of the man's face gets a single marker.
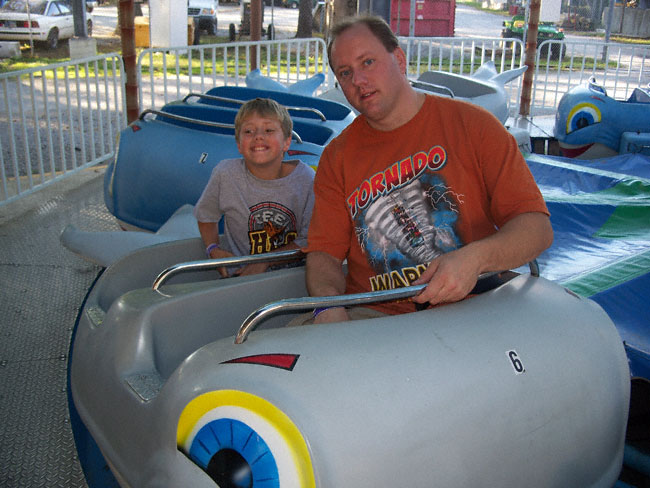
(371, 78)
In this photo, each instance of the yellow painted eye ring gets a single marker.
(273, 426)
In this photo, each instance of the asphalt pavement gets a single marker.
(469, 22)
(284, 19)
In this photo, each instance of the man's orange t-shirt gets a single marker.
(392, 201)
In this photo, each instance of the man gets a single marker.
(418, 189)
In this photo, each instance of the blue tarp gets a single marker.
(600, 212)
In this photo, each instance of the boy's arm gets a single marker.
(210, 235)
(255, 268)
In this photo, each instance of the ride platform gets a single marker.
(43, 285)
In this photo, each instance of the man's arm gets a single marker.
(452, 276)
(324, 277)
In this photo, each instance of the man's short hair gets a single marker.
(264, 107)
(378, 26)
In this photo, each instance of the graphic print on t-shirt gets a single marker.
(405, 228)
(270, 225)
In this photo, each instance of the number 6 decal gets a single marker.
(517, 365)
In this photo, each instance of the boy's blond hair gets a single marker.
(265, 107)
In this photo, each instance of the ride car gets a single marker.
(514, 29)
(46, 21)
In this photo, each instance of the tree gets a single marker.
(305, 19)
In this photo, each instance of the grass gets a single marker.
(213, 62)
(42, 56)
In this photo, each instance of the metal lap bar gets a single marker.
(207, 264)
(320, 114)
(190, 120)
(213, 97)
(433, 87)
(308, 303)
(185, 119)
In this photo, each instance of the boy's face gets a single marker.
(262, 142)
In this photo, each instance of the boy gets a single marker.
(266, 202)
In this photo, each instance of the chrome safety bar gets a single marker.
(207, 264)
(308, 303)
(320, 114)
(208, 123)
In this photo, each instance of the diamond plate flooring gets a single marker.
(42, 287)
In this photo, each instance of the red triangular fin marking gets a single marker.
(283, 361)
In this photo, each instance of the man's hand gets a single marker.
(450, 278)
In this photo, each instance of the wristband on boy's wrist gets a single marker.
(211, 248)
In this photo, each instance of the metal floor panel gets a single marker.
(42, 286)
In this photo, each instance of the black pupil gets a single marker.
(582, 123)
(229, 469)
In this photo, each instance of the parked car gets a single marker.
(204, 13)
(296, 3)
(514, 29)
(46, 21)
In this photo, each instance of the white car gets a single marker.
(50, 21)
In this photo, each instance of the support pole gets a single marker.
(79, 18)
(256, 29)
(126, 18)
(608, 29)
(531, 52)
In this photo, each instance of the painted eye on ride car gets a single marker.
(581, 116)
(242, 441)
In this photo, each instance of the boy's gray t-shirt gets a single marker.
(259, 215)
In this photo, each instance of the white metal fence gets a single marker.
(619, 68)
(61, 118)
(465, 56)
(57, 120)
(560, 65)
(171, 73)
